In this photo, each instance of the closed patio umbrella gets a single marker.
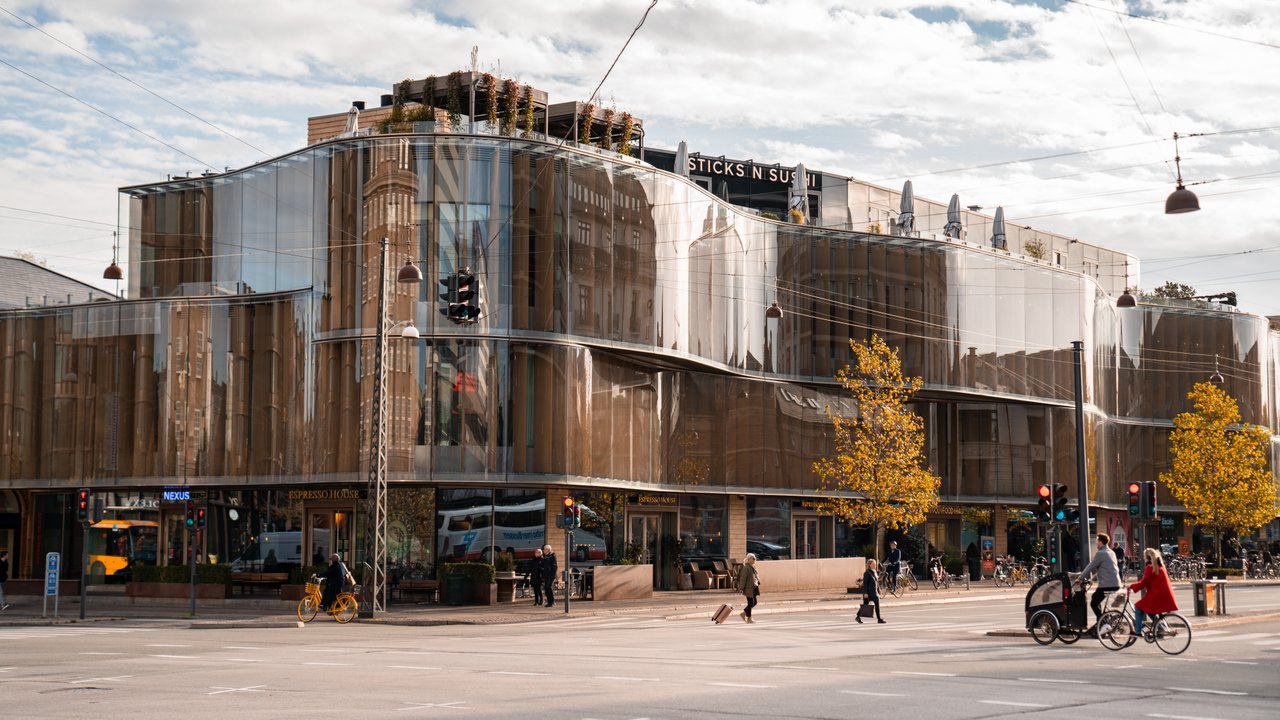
(353, 122)
(997, 230)
(953, 228)
(800, 192)
(682, 159)
(907, 211)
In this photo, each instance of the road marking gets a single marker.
(412, 667)
(1227, 638)
(240, 647)
(1206, 690)
(179, 657)
(419, 706)
(742, 685)
(873, 694)
(516, 672)
(1126, 667)
(627, 679)
(219, 690)
(1014, 704)
(101, 653)
(1053, 680)
(1179, 717)
(117, 678)
(241, 660)
(7, 669)
(801, 667)
(163, 645)
(926, 674)
(331, 664)
(1239, 662)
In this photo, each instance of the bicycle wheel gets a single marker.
(912, 583)
(345, 608)
(307, 608)
(937, 580)
(1172, 633)
(1043, 627)
(1066, 637)
(1115, 630)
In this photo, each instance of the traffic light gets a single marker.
(1149, 500)
(577, 515)
(201, 519)
(1059, 502)
(570, 508)
(82, 505)
(460, 298)
(1051, 547)
(191, 514)
(1135, 499)
(1045, 504)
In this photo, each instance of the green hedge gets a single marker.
(473, 572)
(1223, 572)
(216, 574)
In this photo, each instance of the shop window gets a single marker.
(702, 526)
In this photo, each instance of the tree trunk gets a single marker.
(879, 541)
(1217, 545)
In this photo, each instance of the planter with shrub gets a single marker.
(471, 583)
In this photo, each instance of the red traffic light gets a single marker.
(1134, 488)
(1045, 491)
(568, 501)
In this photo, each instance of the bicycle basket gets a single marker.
(312, 588)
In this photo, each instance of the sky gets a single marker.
(1061, 111)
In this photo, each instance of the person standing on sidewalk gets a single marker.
(1103, 565)
(548, 575)
(4, 577)
(535, 576)
(749, 585)
(870, 592)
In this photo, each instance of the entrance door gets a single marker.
(805, 541)
(330, 531)
(173, 525)
(645, 530)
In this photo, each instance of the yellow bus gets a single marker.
(115, 545)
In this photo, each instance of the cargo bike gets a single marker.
(1057, 610)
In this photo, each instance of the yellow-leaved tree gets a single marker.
(1219, 470)
(878, 474)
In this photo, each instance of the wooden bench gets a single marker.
(429, 588)
(255, 580)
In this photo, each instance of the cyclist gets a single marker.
(1157, 596)
(892, 563)
(1104, 565)
(334, 577)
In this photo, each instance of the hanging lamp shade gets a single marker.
(409, 273)
(773, 312)
(1181, 200)
(1126, 300)
(113, 272)
(410, 332)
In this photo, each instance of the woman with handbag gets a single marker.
(749, 585)
(870, 594)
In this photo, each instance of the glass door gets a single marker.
(173, 524)
(805, 541)
(645, 530)
(330, 531)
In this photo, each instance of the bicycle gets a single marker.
(1007, 572)
(1039, 569)
(895, 585)
(938, 573)
(1169, 631)
(344, 607)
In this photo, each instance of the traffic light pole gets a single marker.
(191, 548)
(84, 567)
(1082, 485)
(568, 561)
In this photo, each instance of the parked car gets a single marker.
(766, 550)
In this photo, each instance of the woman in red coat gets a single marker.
(1158, 595)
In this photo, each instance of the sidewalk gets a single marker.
(268, 612)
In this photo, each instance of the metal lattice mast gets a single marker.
(376, 527)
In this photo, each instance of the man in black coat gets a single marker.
(535, 576)
(335, 576)
(548, 575)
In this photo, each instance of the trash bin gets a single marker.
(454, 586)
(1210, 597)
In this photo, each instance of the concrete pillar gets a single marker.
(736, 544)
(1000, 523)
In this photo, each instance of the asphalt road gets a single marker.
(934, 661)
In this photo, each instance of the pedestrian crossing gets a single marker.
(32, 632)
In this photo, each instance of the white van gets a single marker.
(274, 549)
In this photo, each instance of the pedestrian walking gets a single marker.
(535, 576)
(749, 586)
(871, 593)
(4, 577)
(1118, 549)
(548, 575)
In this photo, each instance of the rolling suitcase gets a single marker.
(722, 614)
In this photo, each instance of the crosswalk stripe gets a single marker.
(1229, 638)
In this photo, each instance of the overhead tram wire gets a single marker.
(97, 109)
(131, 81)
(1119, 71)
(1188, 28)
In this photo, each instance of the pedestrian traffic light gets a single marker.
(1135, 499)
(1051, 547)
(1059, 502)
(568, 511)
(1045, 504)
(82, 505)
(191, 514)
(1149, 500)
(201, 520)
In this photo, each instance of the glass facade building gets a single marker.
(622, 350)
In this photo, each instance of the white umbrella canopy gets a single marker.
(953, 229)
(997, 230)
(353, 121)
(682, 159)
(907, 210)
